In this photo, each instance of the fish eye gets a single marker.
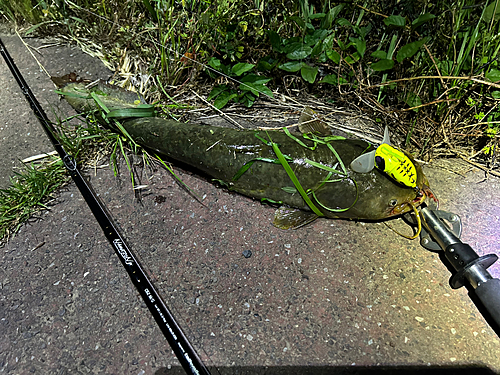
(393, 202)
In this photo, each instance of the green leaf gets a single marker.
(216, 91)
(493, 75)
(333, 79)
(423, 18)
(343, 22)
(317, 49)
(298, 20)
(316, 15)
(267, 63)
(34, 27)
(395, 20)
(495, 94)
(247, 99)
(299, 53)
(224, 98)
(409, 50)
(241, 68)
(488, 12)
(360, 45)
(256, 88)
(150, 9)
(379, 54)
(330, 78)
(309, 73)
(291, 66)
(326, 22)
(217, 65)
(276, 41)
(384, 64)
(333, 55)
(255, 79)
(318, 35)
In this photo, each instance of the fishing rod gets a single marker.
(178, 341)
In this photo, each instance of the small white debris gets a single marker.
(299, 260)
(419, 319)
(385, 277)
(249, 337)
(57, 283)
(406, 340)
(406, 308)
(453, 359)
(86, 273)
(454, 331)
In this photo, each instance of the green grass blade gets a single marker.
(295, 180)
(168, 168)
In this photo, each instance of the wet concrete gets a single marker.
(340, 295)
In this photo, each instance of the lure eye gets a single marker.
(393, 202)
(380, 162)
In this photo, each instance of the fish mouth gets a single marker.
(420, 197)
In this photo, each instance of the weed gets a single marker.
(29, 192)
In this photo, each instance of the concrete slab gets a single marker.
(334, 295)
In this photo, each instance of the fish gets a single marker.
(263, 164)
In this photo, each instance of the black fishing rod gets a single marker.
(178, 341)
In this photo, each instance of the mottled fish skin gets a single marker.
(221, 152)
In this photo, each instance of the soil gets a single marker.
(335, 295)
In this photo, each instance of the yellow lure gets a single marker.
(396, 164)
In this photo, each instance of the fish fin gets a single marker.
(292, 218)
(387, 138)
(364, 163)
(311, 122)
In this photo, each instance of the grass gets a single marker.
(430, 71)
(29, 192)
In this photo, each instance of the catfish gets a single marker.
(308, 175)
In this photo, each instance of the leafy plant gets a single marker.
(250, 85)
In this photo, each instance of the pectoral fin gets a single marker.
(311, 122)
(364, 163)
(292, 218)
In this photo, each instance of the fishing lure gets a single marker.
(388, 159)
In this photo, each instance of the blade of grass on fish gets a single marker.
(324, 167)
(132, 112)
(294, 179)
(116, 123)
(167, 167)
(312, 148)
(316, 140)
(248, 164)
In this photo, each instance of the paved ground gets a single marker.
(335, 293)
